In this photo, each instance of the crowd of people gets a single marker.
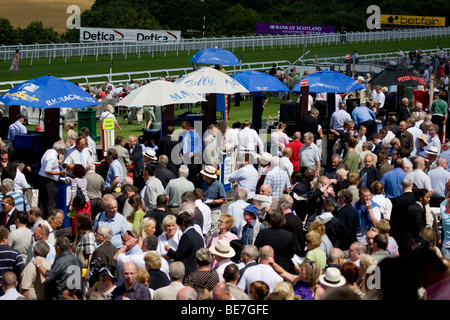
(154, 221)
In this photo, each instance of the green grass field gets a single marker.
(73, 67)
(59, 67)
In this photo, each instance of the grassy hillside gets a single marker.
(51, 12)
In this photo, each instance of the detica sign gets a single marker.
(128, 35)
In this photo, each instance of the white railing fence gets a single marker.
(67, 50)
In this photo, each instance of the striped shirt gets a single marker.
(118, 225)
(10, 261)
(20, 203)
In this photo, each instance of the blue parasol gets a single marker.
(257, 81)
(48, 92)
(216, 56)
(328, 81)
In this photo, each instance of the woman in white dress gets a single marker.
(171, 235)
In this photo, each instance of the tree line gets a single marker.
(217, 18)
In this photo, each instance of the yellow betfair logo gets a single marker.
(423, 21)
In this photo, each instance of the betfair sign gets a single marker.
(419, 21)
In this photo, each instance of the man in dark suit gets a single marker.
(415, 221)
(310, 123)
(162, 172)
(400, 207)
(369, 173)
(293, 224)
(137, 158)
(403, 110)
(165, 146)
(9, 213)
(190, 242)
(349, 217)
(249, 256)
(159, 213)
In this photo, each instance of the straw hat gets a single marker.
(433, 150)
(332, 278)
(424, 138)
(265, 158)
(209, 171)
(151, 154)
(223, 249)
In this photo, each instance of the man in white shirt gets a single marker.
(49, 174)
(379, 96)
(248, 141)
(246, 177)
(236, 209)
(20, 181)
(80, 155)
(261, 272)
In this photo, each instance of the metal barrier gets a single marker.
(126, 77)
(67, 50)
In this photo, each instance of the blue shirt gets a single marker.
(214, 191)
(115, 170)
(16, 128)
(392, 182)
(445, 219)
(446, 155)
(278, 180)
(247, 233)
(118, 225)
(338, 118)
(439, 178)
(362, 114)
(21, 203)
(246, 177)
(191, 143)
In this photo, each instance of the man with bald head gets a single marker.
(221, 292)
(113, 219)
(263, 271)
(130, 289)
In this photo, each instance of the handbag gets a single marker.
(79, 199)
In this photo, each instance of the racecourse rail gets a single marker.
(67, 50)
(372, 63)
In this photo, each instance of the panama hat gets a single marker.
(265, 158)
(332, 278)
(223, 249)
(432, 150)
(209, 171)
(151, 154)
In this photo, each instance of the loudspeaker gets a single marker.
(290, 114)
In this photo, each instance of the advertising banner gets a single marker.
(418, 21)
(128, 35)
(292, 29)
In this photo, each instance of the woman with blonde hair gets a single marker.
(429, 234)
(225, 222)
(171, 235)
(109, 114)
(367, 266)
(279, 138)
(286, 289)
(314, 252)
(325, 243)
(146, 227)
(384, 227)
(306, 283)
(138, 212)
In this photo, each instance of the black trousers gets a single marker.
(48, 195)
